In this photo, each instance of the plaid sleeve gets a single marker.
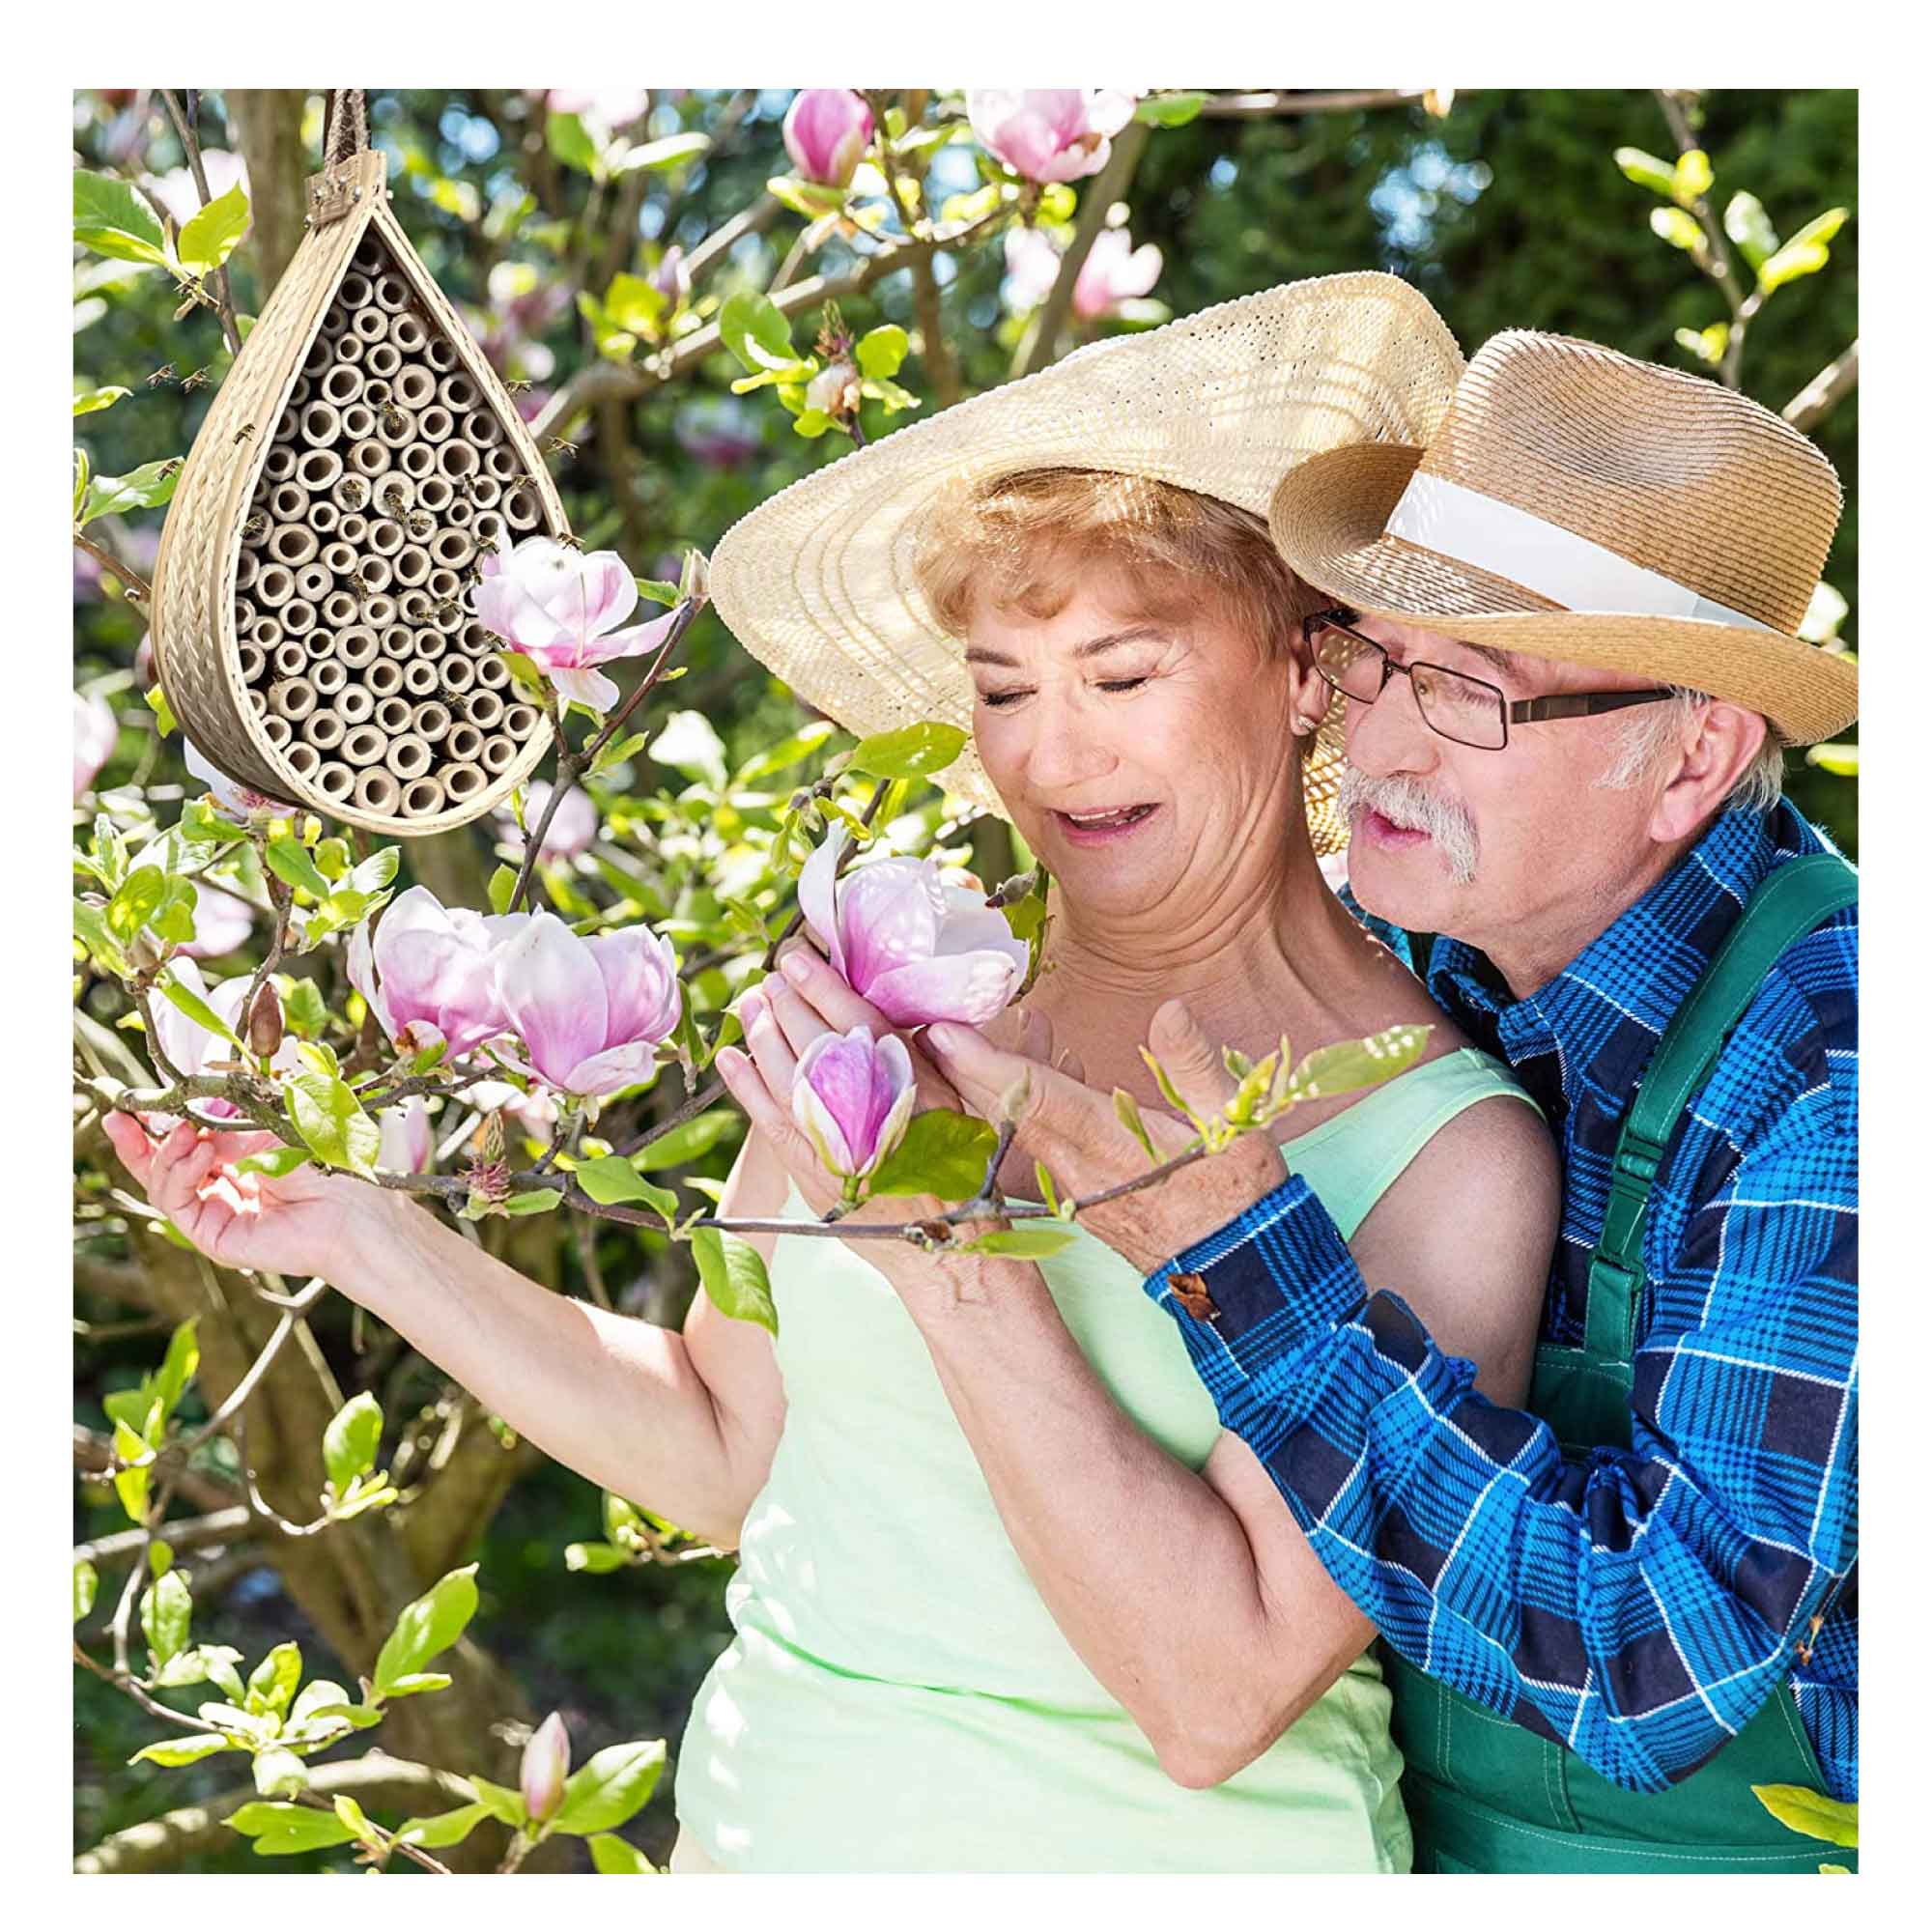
(1642, 1606)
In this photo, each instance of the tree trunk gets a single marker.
(267, 122)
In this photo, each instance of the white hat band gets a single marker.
(1488, 534)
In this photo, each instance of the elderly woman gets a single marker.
(969, 1628)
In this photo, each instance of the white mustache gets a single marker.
(1410, 804)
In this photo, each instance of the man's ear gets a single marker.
(1723, 741)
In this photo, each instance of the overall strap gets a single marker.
(1797, 896)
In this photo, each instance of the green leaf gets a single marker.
(413, 1683)
(350, 1442)
(87, 401)
(611, 1854)
(279, 1773)
(276, 1162)
(1747, 225)
(690, 743)
(189, 1750)
(614, 1785)
(445, 1828)
(668, 152)
(377, 870)
(203, 1663)
(1679, 229)
(272, 1682)
(164, 717)
(210, 237)
(330, 1119)
(1810, 1812)
(880, 351)
(1805, 254)
(1708, 345)
(944, 1153)
(733, 1274)
(1128, 1114)
(112, 219)
(913, 752)
(1841, 760)
(750, 320)
(86, 1582)
(597, 1558)
(165, 1610)
(139, 898)
(534, 1201)
(1353, 1064)
(427, 1627)
(785, 753)
(1647, 171)
(291, 863)
(810, 199)
(633, 304)
(279, 1830)
(570, 142)
(198, 1011)
(1030, 1241)
(1692, 175)
(147, 488)
(689, 1142)
(811, 423)
(506, 1807)
(1169, 110)
(177, 1367)
(503, 884)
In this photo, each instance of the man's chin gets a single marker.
(1411, 886)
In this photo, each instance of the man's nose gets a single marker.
(1390, 736)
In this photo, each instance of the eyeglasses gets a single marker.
(1463, 709)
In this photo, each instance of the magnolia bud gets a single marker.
(265, 1023)
(1013, 1101)
(493, 1139)
(544, 1767)
(834, 391)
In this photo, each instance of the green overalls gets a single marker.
(1485, 1795)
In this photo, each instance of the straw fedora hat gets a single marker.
(1579, 506)
(818, 583)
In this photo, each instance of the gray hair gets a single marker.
(1654, 729)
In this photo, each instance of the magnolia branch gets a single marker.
(138, 588)
(1824, 392)
(224, 294)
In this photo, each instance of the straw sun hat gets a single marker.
(1578, 505)
(819, 585)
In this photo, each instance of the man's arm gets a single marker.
(1641, 1607)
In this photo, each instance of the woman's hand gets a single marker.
(308, 1222)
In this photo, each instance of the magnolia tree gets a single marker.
(518, 1023)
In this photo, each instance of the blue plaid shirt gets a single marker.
(1639, 1607)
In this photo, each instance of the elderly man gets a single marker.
(1565, 636)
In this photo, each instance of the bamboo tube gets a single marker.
(456, 392)
(413, 565)
(324, 517)
(384, 678)
(275, 584)
(519, 508)
(408, 756)
(416, 385)
(520, 721)
(433, 723)
(376, 392)
(292, 698)
(299, 396)
(372, 573)
(458, 674)
(321, 424)
(384, 360)
(289, 505)
(399, 641)
(304, 760)
(419, 678)
(488, 528)
(268, 633)
(369, 325)
(371, 258)
(393, 293)
(503, 463)
(244, 618)
(356, 290)
(485, 710)
(377, 791)
(429, 643)
(246, 567)
(326, 730)
(277, 467)
(336, 781)
(418, 460)
(299, 617)
(314, 581)
(461, 783)
(321, 357)
(459, 514)
(258, 703)
(455, 459)
(339, 611)
(422, 799)
(319, 472)
(351, 493)
(352, 528)
(464, 744)
(486, 492)
(395, 425)
(415, 606)
(356, 646)
(434, 494)
(355, 703)
(292, 543)
(499, 756)
(252, 660)
(453, 549)
(421, 524)
(395, 716)
(289, 657)
(329, 675)
(370, 456)
(343, 383)
(350, 346)
(439, 353)
(475, 640)
(492, 672)
(364, 745)
(386, 536)
(408, 333)
(481, 427)
(445, 586)
(437, 424)
(395, 494)
(279, 731)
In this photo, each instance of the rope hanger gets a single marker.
(347, 125)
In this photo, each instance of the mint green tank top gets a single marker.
(898, 1698)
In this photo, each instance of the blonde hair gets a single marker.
(1018, 540)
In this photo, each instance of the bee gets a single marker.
(559, 447)
(195, 379)
(171, 467)
(573, 542)
(363, 586)
(448, 611)
(518, 385)
(393, 499)
(165, 373)
(255, 529)
(393, 419)
(242, 434)
(422, 525)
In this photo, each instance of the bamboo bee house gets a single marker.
(313, 628)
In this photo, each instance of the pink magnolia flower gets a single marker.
(1048, 133)
(571, 832)
(544, 1767)
(852, 1096)
(562, 610)
(177, 192)
(221, 923)
(534, 1112)
(190, 1047)
(608, 106)
(438, 968)
(96, 733)
(1114, 270)
(591, 1011)
(235, 801)
(408, 1141)
(918, 949)
(826, 130)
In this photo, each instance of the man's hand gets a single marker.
(1073, 1130)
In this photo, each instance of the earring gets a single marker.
(1303, 728)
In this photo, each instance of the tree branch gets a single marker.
(224, 294)
(1824, 392)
